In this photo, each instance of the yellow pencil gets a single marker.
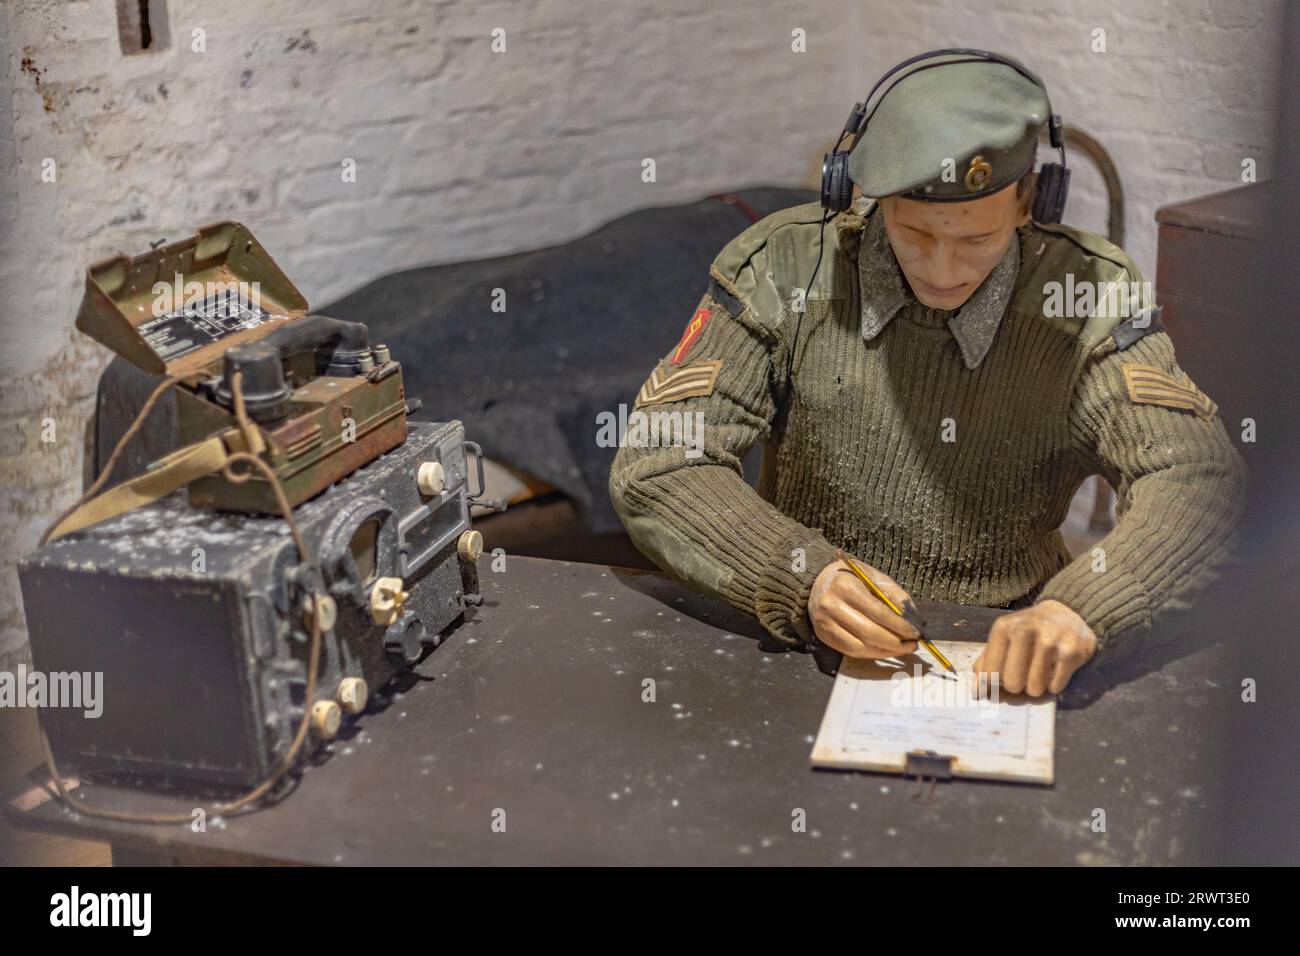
(862, 576)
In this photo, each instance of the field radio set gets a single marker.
(321, 544)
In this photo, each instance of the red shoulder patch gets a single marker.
(693, 330)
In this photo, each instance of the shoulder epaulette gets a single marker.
(1063, 259)
(1091, 243)
(739, 251)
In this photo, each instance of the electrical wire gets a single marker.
(821, 247)
(290, 758)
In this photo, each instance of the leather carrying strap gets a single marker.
(165, 476)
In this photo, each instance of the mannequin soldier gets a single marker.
(927, 407)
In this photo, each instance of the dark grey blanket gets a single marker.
(584, 324)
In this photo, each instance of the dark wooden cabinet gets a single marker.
(1209, 258)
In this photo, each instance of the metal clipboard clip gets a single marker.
(927, 763)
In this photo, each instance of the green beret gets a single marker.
(951, 128)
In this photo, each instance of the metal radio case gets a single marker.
(192, 617)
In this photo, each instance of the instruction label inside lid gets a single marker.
(200, 323)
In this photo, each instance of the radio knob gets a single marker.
(327, 611)
(386, 600)
(431, 479)
(404, 638)
(353, 694)
(470, 545)
(325, 719)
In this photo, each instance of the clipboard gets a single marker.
(910, 716)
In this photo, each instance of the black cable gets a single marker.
(821, 247)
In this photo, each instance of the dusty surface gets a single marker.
(535, 709)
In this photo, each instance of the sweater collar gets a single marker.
(885, 292)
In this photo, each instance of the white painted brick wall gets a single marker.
(463, 153)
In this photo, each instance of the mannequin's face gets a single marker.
(947, 249)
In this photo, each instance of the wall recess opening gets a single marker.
(142, 26)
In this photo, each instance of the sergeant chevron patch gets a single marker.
(688, 381)
(1148, 385)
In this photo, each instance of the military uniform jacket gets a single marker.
(943, 448)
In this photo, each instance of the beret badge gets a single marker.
(978, 174)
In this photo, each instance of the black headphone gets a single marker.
(1053, 178)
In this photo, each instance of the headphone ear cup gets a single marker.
(837, 188)
(1051, 193)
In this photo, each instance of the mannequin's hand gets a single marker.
(846, 616)
(1038, 649)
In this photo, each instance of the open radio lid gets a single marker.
(177, 308)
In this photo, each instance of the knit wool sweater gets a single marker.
(952, 477)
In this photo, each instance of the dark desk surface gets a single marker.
(534, 707)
